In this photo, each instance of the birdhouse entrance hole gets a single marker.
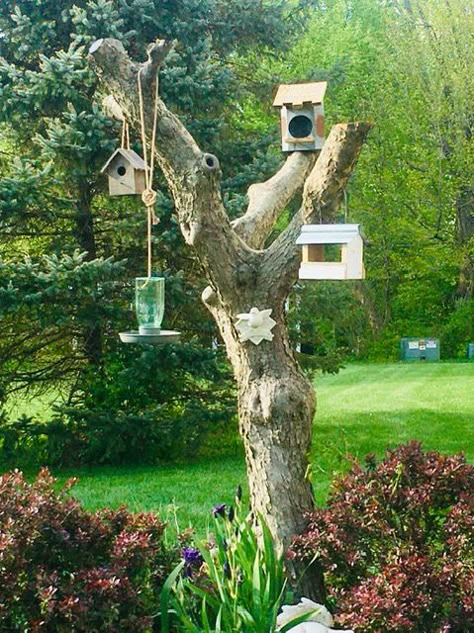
(121, 170)
(300, 126)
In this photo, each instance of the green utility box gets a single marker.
(413, 348)
(470, 351)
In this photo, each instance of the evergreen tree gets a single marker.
(69, 252)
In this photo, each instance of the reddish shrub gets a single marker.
(397, 542)
(64, 569)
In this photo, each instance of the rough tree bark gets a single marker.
(276, 401)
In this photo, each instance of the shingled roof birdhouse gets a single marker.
(331, 251)
(302, 116)
(126, 172)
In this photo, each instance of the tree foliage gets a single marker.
(68, 251)
(403, 65)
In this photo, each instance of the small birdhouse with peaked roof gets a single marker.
(331, 251)
(302, 116)
(126, 172)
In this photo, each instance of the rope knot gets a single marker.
(149, 197)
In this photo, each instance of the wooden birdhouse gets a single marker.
(126, 172)
(302, 116)
(331, 251)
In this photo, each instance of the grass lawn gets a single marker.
(366, 408)
(363, 409)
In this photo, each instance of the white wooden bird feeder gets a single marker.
(314, 239)
(126, 173)
(302, 116)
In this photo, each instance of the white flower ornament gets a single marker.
(255, 326)
(320, 620)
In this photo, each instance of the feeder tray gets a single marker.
(161, 337)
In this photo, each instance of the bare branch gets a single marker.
(118, 76)
(267, 199)
(157, 53)
(324, 187)
(321, 198)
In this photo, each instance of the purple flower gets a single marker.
(219, 510)
(192, 557)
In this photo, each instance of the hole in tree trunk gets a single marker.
(210, 162)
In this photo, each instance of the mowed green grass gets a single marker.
(363, 409)
(367, 408)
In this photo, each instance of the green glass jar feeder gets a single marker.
(149, 304)
(149, 309)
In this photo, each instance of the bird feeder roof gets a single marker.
(299, 94)
(328, 233)
(130, 156)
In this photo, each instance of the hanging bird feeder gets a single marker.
(321, 242)
(149, 309)
(149, 290)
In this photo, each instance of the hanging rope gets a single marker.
(148, 195)
(125, 135)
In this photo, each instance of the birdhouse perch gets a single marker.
(302, 115)
(315, 237)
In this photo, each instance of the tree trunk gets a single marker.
(276, 411)
(276, 401)
(465, 234)
(84, 233)
(276, 405)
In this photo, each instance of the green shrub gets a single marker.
(458, 330)
(145, 405)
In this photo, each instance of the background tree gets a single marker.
(393, 65)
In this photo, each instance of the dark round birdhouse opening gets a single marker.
(121, 170)
(300, 126)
